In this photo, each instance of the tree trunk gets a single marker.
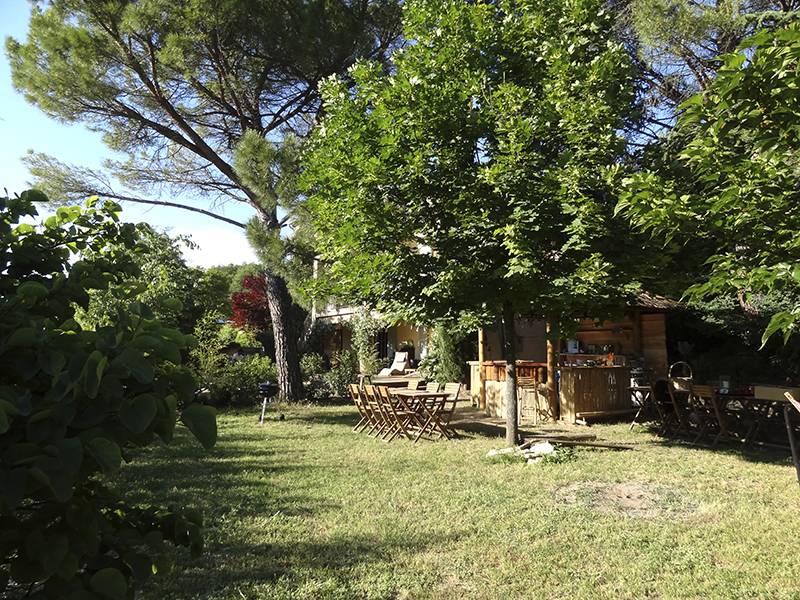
(287, 359)
(512, 425)
(552, 383)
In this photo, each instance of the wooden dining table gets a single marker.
(760, 419)
(428, 408)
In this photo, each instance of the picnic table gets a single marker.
(751, 415)
(432, 409)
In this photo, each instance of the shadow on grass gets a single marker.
(772, 454)
(286, 568)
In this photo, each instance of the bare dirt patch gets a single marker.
(644, 500)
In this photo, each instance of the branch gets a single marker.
(202, 211)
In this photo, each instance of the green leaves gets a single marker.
(72, 400)
(202, 422)
(436, 188)
(135, 362)
(106, 453)
(735, 188)
(109, 583)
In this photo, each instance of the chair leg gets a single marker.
(792, 439)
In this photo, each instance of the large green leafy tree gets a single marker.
(178, 294)
(73, 402)
(675, 45)
(472, 179)
(173, 86)
(743, 195)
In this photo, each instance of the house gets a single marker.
(403, 336)
(637, 341)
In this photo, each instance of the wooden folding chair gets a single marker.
(429, 416)
(710, 414)
(400, 418)
(358, 400)
(673, 410)
(375, 405)
(448, 408)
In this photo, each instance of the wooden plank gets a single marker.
(576, 442)
(585, 437)
(593, 445)
(605, 413)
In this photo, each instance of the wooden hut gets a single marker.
(592, 383)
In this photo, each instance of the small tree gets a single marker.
(444, 361)
(251, 307)
(364, 326)
(72, 401)
(163, 274)
(473, 180)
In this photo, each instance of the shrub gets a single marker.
(444, 361)
(313, 371)
(343, 372)
(236, 384)
(73, 400)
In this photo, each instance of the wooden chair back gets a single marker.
(358, 400)
(448, 409)
(710, 416)
(375, 406)
(399, 419)
(413, 384)
(452, 390)
(432, 387)
(682, 408)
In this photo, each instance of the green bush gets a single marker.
(445, 361)
(72, 403)
(344, 372)
(313, 376)
(236, 384)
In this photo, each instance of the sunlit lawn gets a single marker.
(305, 508)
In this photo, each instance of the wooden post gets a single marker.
(638, 334)
(481, 369)
(552, 387)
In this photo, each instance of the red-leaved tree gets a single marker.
(251, 308)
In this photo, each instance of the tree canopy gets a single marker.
(742, 192)
(676, 45)
(164, 278)
(174, 86)
(474, 178)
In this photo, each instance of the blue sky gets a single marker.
(24, 127)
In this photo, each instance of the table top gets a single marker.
(417, 393)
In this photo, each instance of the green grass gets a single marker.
(305, 508)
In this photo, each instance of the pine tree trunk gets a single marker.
(512, 424)
(287, 359)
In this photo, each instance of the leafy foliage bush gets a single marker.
(72, 403)
(718, 336)
(445, 360)
(237, 383)
(227, 382)
(313, 376)
(344, 372)
(162, 274)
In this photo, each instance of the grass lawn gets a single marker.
(305, 508)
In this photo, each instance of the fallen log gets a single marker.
(572, 440)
